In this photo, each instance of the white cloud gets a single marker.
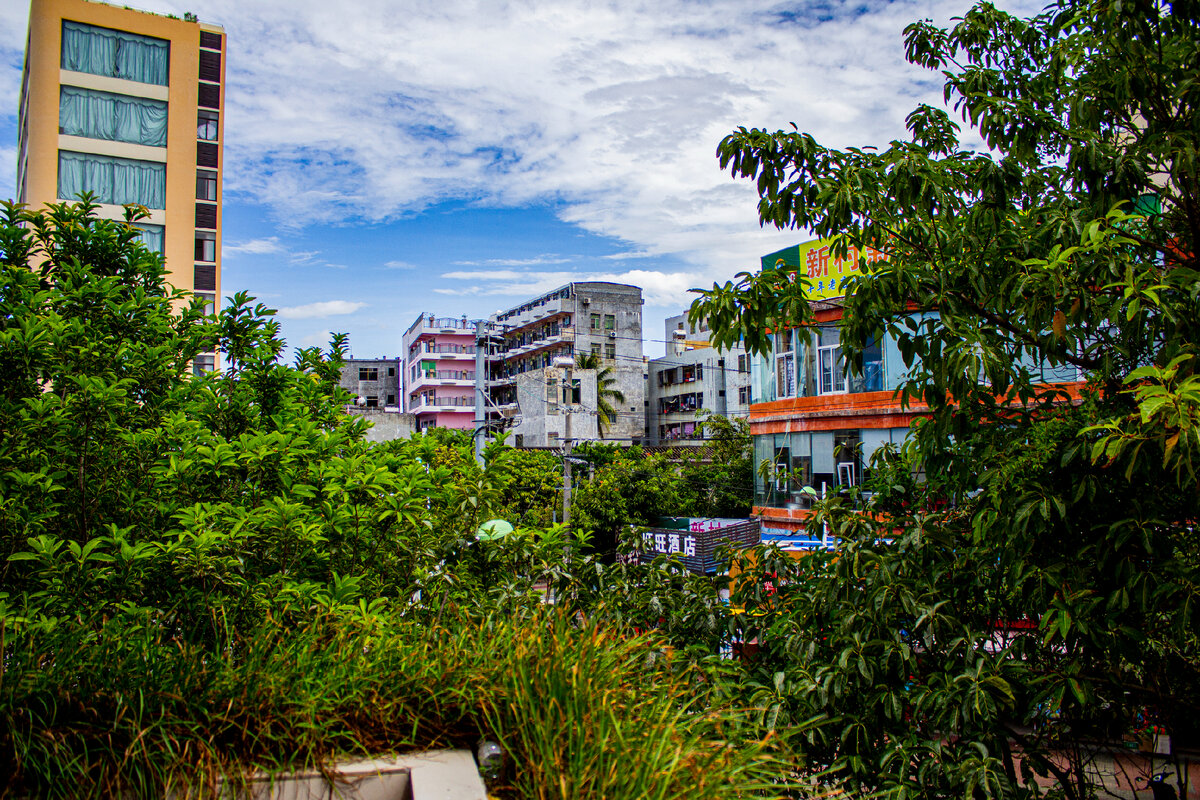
(611, 111)
(668, 289)
(516, 262)
(398, 265)
(325, 308)
(316, 339)
(608, 112)
(256, 247)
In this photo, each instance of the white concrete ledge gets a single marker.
(435, 775)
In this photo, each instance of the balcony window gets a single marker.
(152, 236)
(112, 117)
(114, 54)
(118, 181)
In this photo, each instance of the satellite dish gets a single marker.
(493, 529)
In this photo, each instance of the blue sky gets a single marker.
(384, 159)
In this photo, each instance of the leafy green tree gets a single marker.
(606, 390)
(635, 489)
(1037, 590)
(723, 480)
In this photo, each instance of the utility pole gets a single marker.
(480, 374)
(568, 397)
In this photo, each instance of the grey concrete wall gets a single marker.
(386, 425)
(544, 416)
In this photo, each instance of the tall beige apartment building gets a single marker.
(128, 105)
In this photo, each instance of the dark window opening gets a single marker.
(206, 215)
(209, 95)
(210, 67)
(206, 154)
(204, 278)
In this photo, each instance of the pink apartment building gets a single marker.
(439, 372)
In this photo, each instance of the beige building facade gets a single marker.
(129, 106)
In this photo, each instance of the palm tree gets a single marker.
(605, 389)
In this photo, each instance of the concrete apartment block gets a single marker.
(439, 372)
(374, 381)
(691, 378)
(593, 317)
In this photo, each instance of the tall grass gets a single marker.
(120, 709)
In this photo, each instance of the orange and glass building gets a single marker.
(814, 424)
(129, 106)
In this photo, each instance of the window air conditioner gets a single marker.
(612, 334)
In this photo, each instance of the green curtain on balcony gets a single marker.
(112, 180)
(113, 117)
(114, 54)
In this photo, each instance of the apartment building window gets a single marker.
(391, 372)
(610, 322)
(744, 395)
(831, 372)
(206, 125)
(210, 40)
(596, 349)
(206, 246)
(112, 117)
(372, 401)
(203, 363)
(391, 399)
(206, 185)
(785, 365)
(209, 299)
(743, 364)
(114, 54)
(118, 181)
(610, 351)
(595, 322)
(572, 391)
(368, 373)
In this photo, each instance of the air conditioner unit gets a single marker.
(612, 334)
(583, 301)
